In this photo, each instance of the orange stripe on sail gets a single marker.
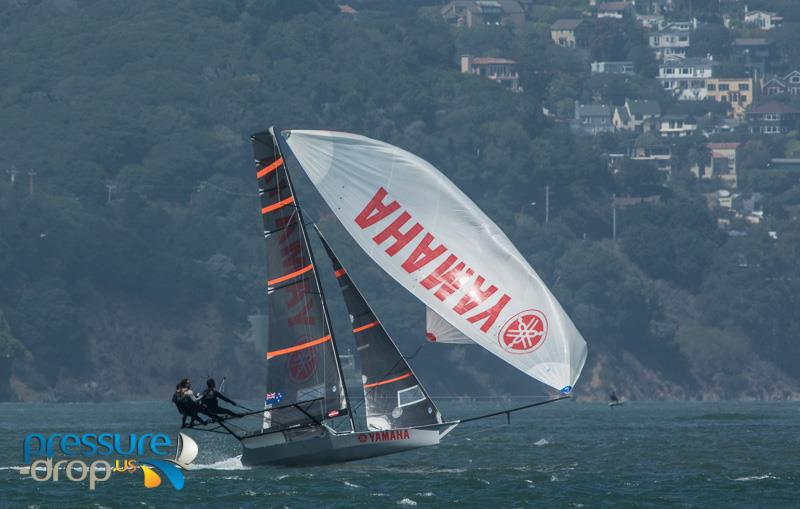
(276, 206)
(270, 168)
(339, 273)
(295, 348)
(290, 275)
(367, 326)
(383, 382)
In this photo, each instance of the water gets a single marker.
(730, 454)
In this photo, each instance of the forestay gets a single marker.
(394, 397)
(432, 239)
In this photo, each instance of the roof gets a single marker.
(723, 146)
(613, 6)
(594, 110)
(755, 41)
(623, 115)
(511, 7)
(772, 107)
(566, 24)
(644, 107)
(492, 60)
(685, 118)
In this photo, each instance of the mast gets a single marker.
(302, 389)
(319, 285)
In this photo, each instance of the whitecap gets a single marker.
(406, 501)
(351, 485)
(426, 494)
(541, 442)
(234, 463)
(756, 477)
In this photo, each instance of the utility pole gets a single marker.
(31, 174)
(614, 217)
(110, 185)
(546, 204)
(12, 173)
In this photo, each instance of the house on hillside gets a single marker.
(720, 163)
(649, 147)
(669, 43)
(501, 70)
(738, 92)
(347, 11)
(637, 116)
(592, 119)
(612, 67)
(686, 78)
(753, 53)
(568, 33)
(788, 84)
(772, 118)
(649, 21)
(764, 20)
(615, 10)
(677, 126)
(472, 13)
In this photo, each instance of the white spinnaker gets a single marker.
(530, 331)
(439, 330)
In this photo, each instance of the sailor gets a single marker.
(188, 403)
(614, 398)
(210, 404)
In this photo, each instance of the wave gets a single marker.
(541, 442)
(234, 463)
(755, 477)
(406, 501)
(351, 485)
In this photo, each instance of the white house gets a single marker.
(686, 78)
(764, 20)
(669, 43)
(677, 126)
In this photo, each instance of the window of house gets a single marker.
(772, 117)
(744, 86)
(794, 79)
(712, 87)
(723, 87)
(773, 91)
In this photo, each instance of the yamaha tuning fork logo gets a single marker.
(524, 332)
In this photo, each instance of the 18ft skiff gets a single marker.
(433, 240)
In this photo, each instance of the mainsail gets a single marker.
(431, 238)
(304, 379)
(394, 398)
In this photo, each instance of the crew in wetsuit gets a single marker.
(614, 398)
(210, 404)
(187, 403)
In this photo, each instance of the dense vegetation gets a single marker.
(135, 256)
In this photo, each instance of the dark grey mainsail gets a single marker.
(394, 398)
(304, 379)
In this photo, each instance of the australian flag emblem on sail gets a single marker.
(273, 398)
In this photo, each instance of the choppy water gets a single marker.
(731, 455)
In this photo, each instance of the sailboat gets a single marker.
(432, 239)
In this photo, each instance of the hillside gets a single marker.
(130, 247)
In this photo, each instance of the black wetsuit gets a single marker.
(211, 406)
(188, 406)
